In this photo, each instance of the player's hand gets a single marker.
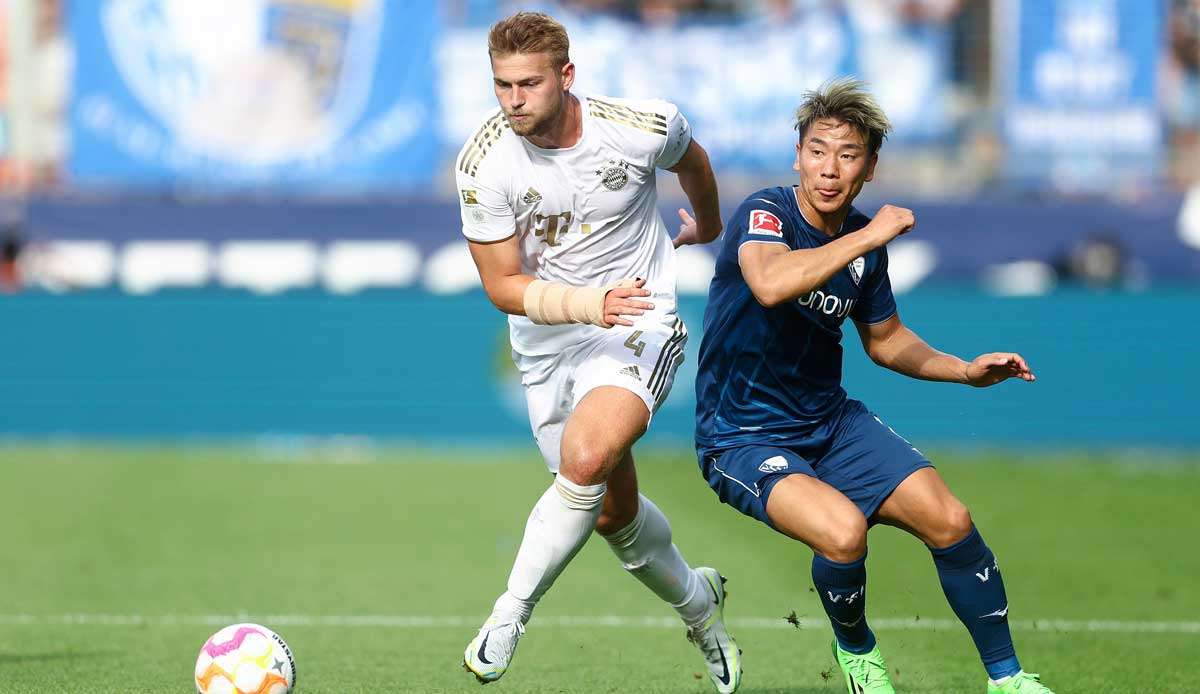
(689, 231)
(623, 301)
(889, 222)
(990, 369)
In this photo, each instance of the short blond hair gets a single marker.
(846, 100)
(530, 32)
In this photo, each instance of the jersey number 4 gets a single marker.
(633, 343)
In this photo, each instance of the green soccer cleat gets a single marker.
(721, 652)
(1020, 683)
(866, 673)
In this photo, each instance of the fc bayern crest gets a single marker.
(614, 174)
(856, 269)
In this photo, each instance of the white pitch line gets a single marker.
(611, 621)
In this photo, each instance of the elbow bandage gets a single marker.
(551, 303)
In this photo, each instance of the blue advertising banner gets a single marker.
(411, 366)
(1079, 77)
(253, 92)
(738, 83)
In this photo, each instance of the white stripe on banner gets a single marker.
(432, 622)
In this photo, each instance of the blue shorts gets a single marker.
(853, 451)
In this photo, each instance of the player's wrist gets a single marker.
(964, 372)
(553, 303)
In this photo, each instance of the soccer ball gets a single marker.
(245, 659)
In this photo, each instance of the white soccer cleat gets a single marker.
(720, 651)
(489, 653)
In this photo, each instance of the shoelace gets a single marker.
(708, 643)
(1031, 679)
(519, 628)
(862, 669)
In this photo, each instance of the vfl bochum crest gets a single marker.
(856, 269)
(614, 174)
(249, 82)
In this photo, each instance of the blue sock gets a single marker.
(972, 584)
(843, 591)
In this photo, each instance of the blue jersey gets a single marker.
(773, 375)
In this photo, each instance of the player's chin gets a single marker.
(829, 204)
(523, 126)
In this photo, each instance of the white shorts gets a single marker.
(641, 359)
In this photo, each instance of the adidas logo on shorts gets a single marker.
(631, 371)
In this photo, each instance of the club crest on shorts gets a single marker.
(775, 464)
(856, 269)
(614, 174)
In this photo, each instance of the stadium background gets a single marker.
(228, 231)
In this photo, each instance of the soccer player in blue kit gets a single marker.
(776, 435)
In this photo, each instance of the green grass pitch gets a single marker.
(118, 562)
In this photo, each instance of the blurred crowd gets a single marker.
(669, 11)
(35, 91)
(1182, 89)
(34, 94)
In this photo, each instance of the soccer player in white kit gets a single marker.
(558, 205)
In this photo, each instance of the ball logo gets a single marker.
(251, 82)
(765, 224)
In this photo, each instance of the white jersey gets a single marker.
(584, 215)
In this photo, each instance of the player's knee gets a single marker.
(953, 524)
(845, 540)
(585, 463)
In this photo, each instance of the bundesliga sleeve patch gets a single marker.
(765, 224)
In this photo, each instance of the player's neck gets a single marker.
(828, 224)
(565, 131)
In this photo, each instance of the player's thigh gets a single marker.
(548, 383)
(600, 431)
(807, 509)
(866, 460)
(925, 507)
(619, 382)
(748, 477)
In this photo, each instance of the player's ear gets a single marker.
(567, 76)
(871, 167)
(796, 164)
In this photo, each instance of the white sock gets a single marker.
(558, 526)
(646, 551)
